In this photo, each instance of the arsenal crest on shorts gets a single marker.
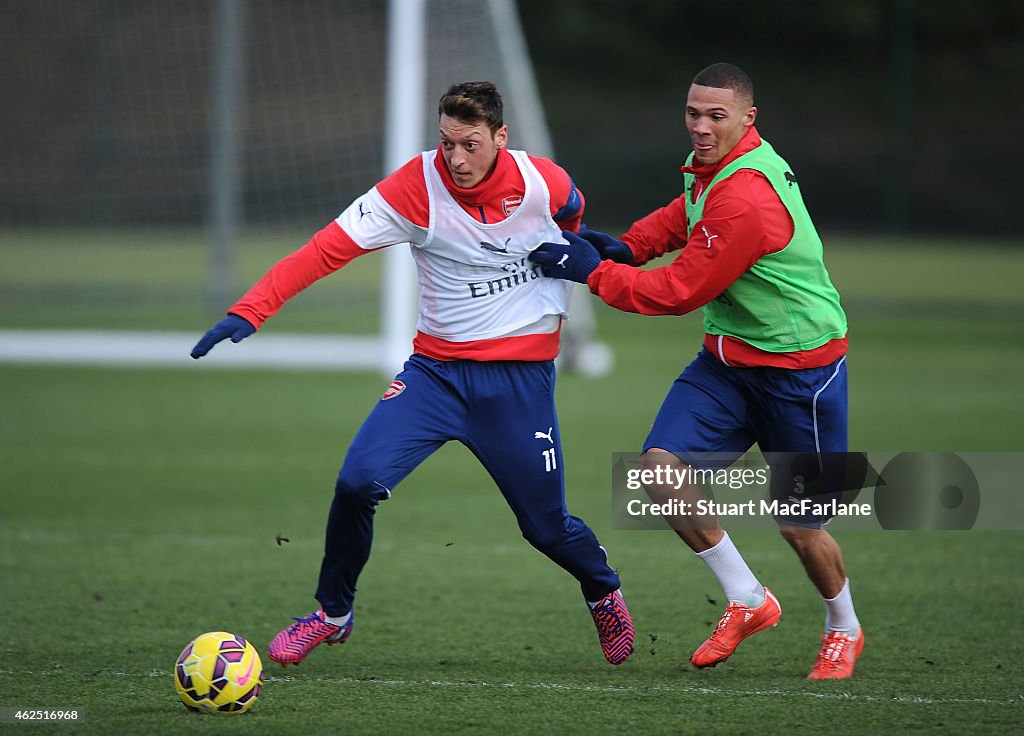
(394, 389)
(510, 205)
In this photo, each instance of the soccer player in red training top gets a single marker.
(773, 366)
(482, 369)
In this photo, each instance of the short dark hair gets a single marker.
(726, 76)
(474, 103)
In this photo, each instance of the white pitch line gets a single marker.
(683, 689)
(573, 687)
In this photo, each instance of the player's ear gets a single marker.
(750, 117)
(501, 137)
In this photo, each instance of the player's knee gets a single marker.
(547, 535)
(544, 540)
(553, 533)
(655, 458)
(359, 489)
(799, 538)
(660, 465)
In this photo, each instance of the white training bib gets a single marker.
(476, 282)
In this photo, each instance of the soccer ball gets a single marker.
(219, 673)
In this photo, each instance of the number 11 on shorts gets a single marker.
(550, 461)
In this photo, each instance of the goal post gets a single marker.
(406, 92)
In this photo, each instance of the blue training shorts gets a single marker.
(715, 408)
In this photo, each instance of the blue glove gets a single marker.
(231, 326)
(609, 248)
(575, 261)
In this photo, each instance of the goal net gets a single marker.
(160, 156)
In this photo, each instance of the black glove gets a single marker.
(609, 248)
(574, 262)
(231, 326)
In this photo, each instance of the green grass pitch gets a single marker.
(139, 508)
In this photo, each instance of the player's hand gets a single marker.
(231, 326)
(609, 248)
(575, 261)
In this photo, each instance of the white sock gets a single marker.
(839, 613)
(338, 621)
(733, 574)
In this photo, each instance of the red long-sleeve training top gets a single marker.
(405, 190)
(743, 220)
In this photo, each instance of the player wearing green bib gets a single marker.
(772, 370)
(785, 301)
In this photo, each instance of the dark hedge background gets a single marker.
(897, 115)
